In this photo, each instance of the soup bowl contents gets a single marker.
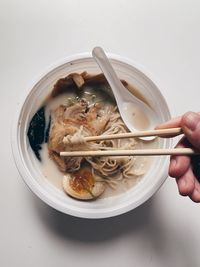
(73, 101)
(82, 105)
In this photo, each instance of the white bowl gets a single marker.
(28, 167)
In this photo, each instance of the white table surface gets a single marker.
(164, 36)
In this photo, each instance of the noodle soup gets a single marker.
(83, 105)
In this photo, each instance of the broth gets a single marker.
(93, 91)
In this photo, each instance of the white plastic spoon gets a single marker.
(136, 114)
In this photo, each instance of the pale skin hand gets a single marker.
(181, 167)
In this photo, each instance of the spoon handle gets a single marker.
(128, 105)
(107, 69)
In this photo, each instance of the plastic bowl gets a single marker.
(26, 162)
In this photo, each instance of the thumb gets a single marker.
(190, 124)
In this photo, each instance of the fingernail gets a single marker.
(173, 163)
(191, 120)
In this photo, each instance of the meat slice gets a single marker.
(67, 121)
(65, 164)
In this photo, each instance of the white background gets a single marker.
(164, 36)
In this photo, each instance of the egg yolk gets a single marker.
(82, 181)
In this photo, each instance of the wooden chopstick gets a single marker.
(160, 132)
(134, 152)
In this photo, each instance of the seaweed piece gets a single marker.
(46, 138)
(36, 131)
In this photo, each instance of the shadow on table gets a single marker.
(144, 224)
(93, 230)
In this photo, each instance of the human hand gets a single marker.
(186, 169)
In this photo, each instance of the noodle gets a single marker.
(82, 105)
(110, 169)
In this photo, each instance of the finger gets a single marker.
(186, 183)
(179, 164)
(190, 123)
(173, 123)
(195, 196)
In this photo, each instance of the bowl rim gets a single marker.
(39, 191)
